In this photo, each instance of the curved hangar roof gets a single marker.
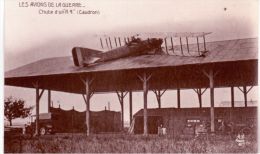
(234, 60)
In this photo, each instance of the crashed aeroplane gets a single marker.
(85, 56)
(181, 44)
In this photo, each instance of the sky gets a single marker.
(30, 36)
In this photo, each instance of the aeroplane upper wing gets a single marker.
(83, 56)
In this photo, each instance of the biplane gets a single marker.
(136, 46)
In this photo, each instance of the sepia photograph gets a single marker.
(139, 76)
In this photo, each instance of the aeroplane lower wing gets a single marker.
(85, 56)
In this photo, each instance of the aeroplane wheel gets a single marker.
(42, 131)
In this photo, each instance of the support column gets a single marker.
(122, 115)
(210, 76)
(130, 107)
(88, 94)
(159, 99)
(212, 116)
(245, 95)
(37, 110)
(121, 95)
(232, 97)
(49, 100)
(178, 98)
(200, 98)
(144, 78)
(38, 97)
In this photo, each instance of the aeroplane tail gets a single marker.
(85, 56)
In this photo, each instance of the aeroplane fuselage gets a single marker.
(131, 49)
(84, 56)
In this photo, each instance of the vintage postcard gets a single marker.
(139, 76)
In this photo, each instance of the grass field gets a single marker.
(109, 143)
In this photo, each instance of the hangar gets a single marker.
(147, 73)
(183, 121)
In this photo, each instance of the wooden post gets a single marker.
(232, 97)
(121, 95)
(200, 97)
(130, 106)
(159, 99)
(212, 116)
(49, 100)
(38, 97)
(37, 110)
(245, 95)
(178, 98)
(145, 80)
(210, 76)
(145, 88)
(87, 82)
(122, 114)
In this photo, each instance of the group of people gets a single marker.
(240, 139)
(161, 130)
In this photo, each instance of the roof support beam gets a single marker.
(200, 93)
(88, 94)
(211, 74)
(245, 91)
(158, 94)
(145, 78)
(121, 95)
